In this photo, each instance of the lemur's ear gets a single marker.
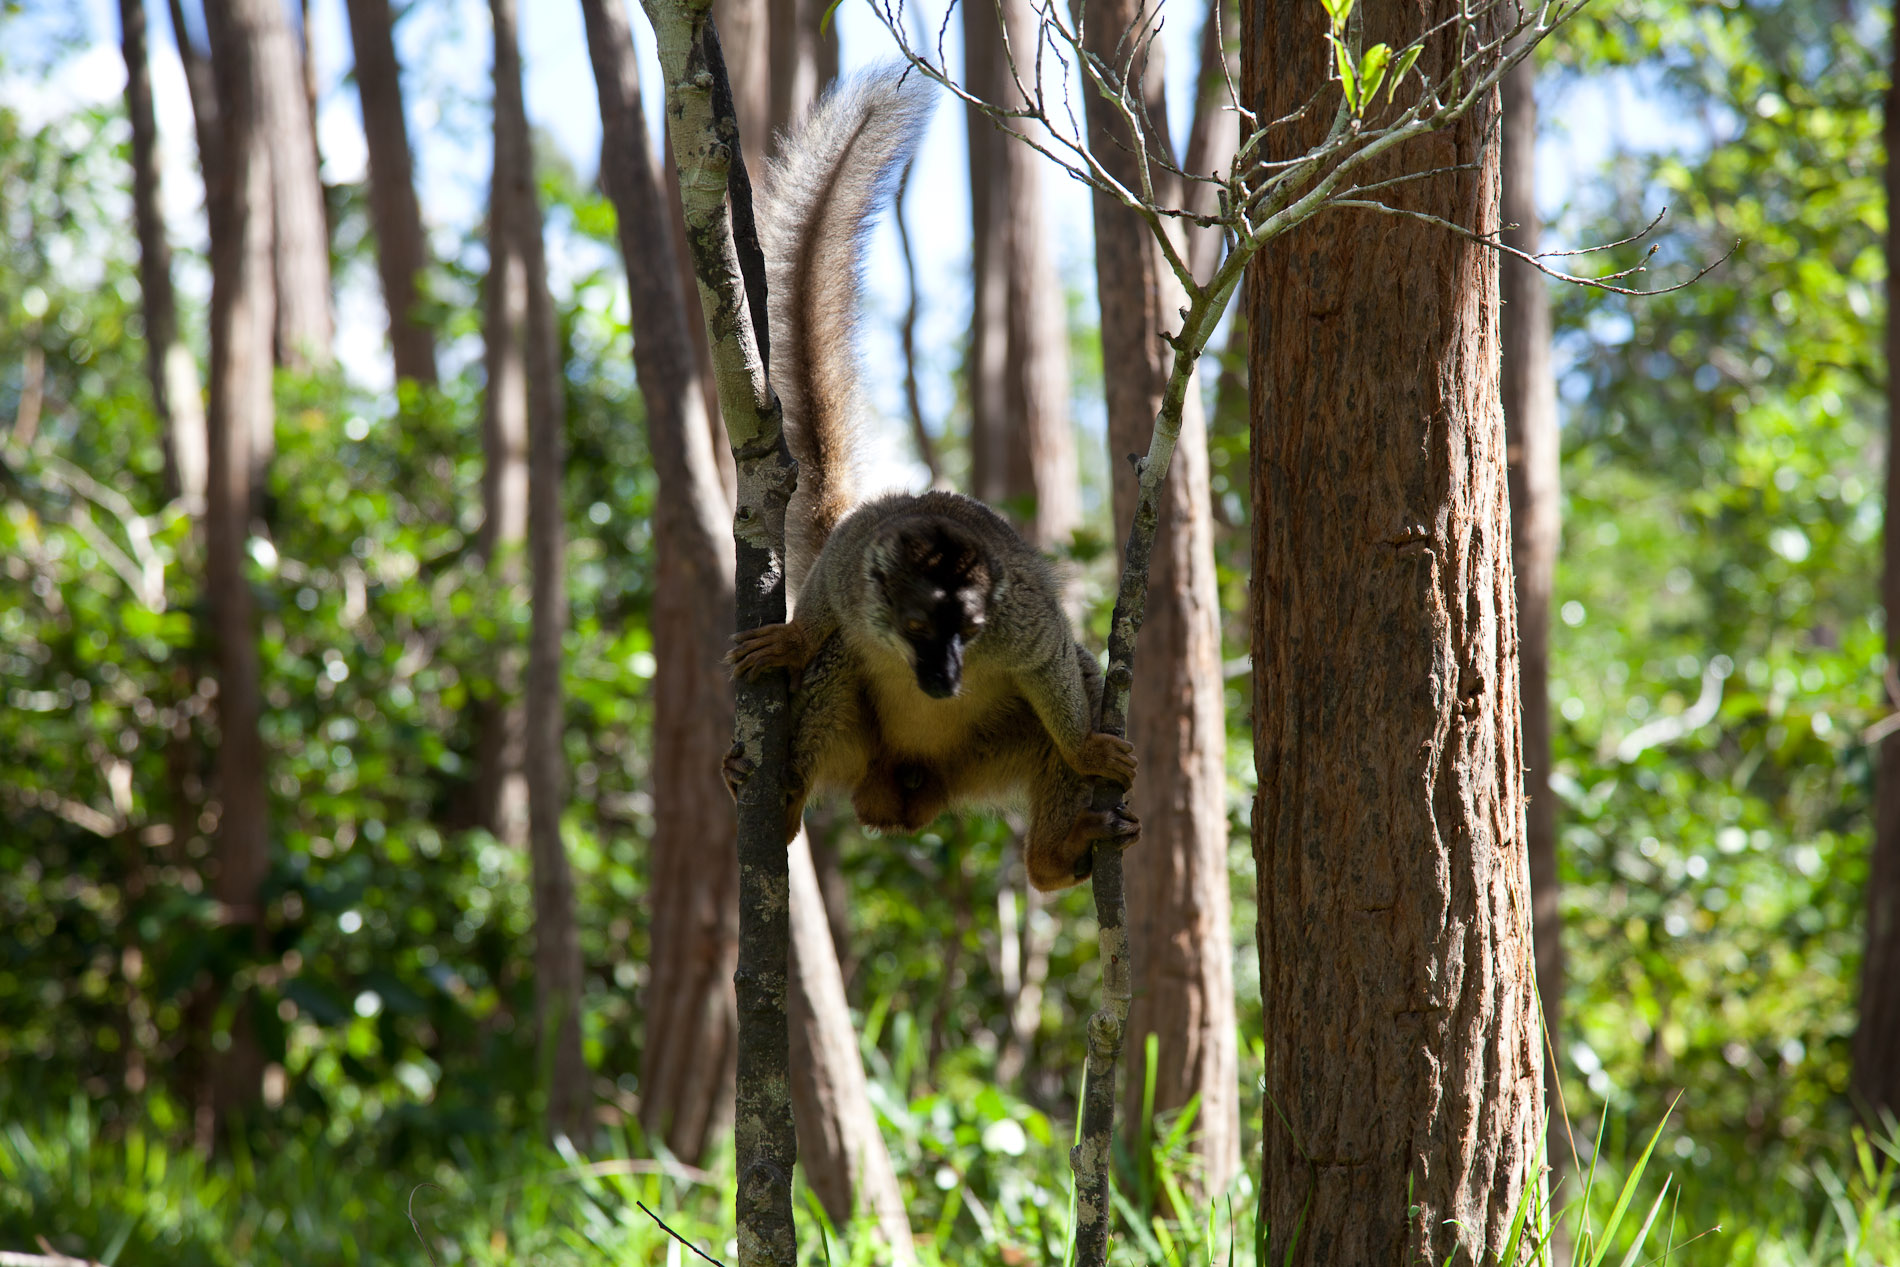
(880, 556)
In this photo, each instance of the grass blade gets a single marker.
(1628, 1192)
(1636, 1248)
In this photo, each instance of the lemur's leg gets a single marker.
(1059, 850)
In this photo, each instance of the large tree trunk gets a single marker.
(500, 788)
(1530, 422)
(402, 250)
(307, 63)
(1022, 446)
(302, 244)
(1403, 1061)
(1180, 937)
(203, 91)
(804, 58)
(169, 364)
(840, 1150)
(239, 203)
(557, 951)
(1877, 1040)
(1214, 132)
(691, 1050)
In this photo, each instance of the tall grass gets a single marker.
(987, 1181)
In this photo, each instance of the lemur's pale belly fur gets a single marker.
(919, 727)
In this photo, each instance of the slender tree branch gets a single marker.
(1092, 1158)
(1536, 261)
(715, 198)
(1638, 236)
(676, 1236)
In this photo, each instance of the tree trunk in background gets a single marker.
(203, 90)
(303, 326)
(745, 37)
(1214, 132)
(691, 1039)
(1403, 1060)
(307, 57)
(402, 249)
(1530, 423)
(1022, 447)
(745, 40)
(169, 364)
(1877, 1039)
(1180, 937)
(840, 1151)
(238, 199)
(557, 947)
(804, 59)
(696, 323)
(500, 789)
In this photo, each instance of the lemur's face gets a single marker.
(935, 583)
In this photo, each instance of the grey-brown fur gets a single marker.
(937, 669)
(820, 194)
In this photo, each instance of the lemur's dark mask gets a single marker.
(936, 583)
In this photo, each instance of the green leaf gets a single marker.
(1406, 60)
(1372, 70)
(1338, 11)
(1347, 83)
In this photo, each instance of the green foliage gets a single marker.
(1719, 644)
(394, 962)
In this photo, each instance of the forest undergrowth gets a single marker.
(986, 1180)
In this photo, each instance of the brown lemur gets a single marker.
(934, 667)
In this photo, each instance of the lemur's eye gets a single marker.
(916, 627)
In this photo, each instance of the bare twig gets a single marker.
(1536, 261)
(1638, 236)
(415, 1220)
(676, 1236)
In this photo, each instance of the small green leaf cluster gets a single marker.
(1361, 76)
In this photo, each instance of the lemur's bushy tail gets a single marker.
(820, 193)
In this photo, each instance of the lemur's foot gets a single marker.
(1071, 859)
(1105, 756)
(1114, 827)
(768, 647)
(736, 768)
